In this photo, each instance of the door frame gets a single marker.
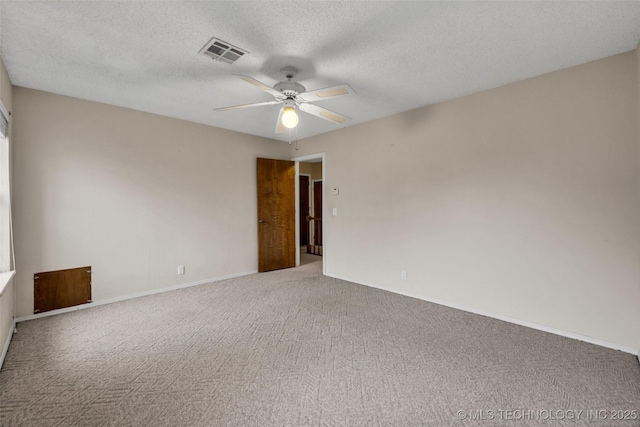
(325, 228)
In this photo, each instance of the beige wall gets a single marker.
(316, 171)
(521, 201)
(132, 194)
(305, 168)
(312, 169)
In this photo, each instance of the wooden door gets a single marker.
(62, 288)
(303, 209)
(317, 212)
(276, 214)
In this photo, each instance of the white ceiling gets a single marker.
(397, 56)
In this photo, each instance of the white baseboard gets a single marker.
(520, 322)
(130, 296)
(5, 347)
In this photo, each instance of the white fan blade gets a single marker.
(260, 85)
(256, 104)
(326, 93)
(280, 128)
(323, 113)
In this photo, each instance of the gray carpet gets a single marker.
(296, 348)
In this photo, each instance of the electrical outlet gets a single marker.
(403, 275)
(181, 270)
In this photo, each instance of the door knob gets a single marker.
(261, 221)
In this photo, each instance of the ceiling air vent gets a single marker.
(222, 51)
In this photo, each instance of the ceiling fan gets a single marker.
(292, 94)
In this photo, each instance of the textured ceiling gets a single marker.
(396, 55)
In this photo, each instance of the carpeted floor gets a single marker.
(293, 347)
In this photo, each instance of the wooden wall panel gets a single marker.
(62, 288)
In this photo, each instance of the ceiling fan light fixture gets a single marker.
(289, 117)
(291, 94)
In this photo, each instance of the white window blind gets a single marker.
(4, 121)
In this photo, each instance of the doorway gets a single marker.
(310, 207)
(313, 231)
(304, 207)
(315, 246)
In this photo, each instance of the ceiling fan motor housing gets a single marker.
(289, 89)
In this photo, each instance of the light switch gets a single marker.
(335, 211)
(335, 191)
